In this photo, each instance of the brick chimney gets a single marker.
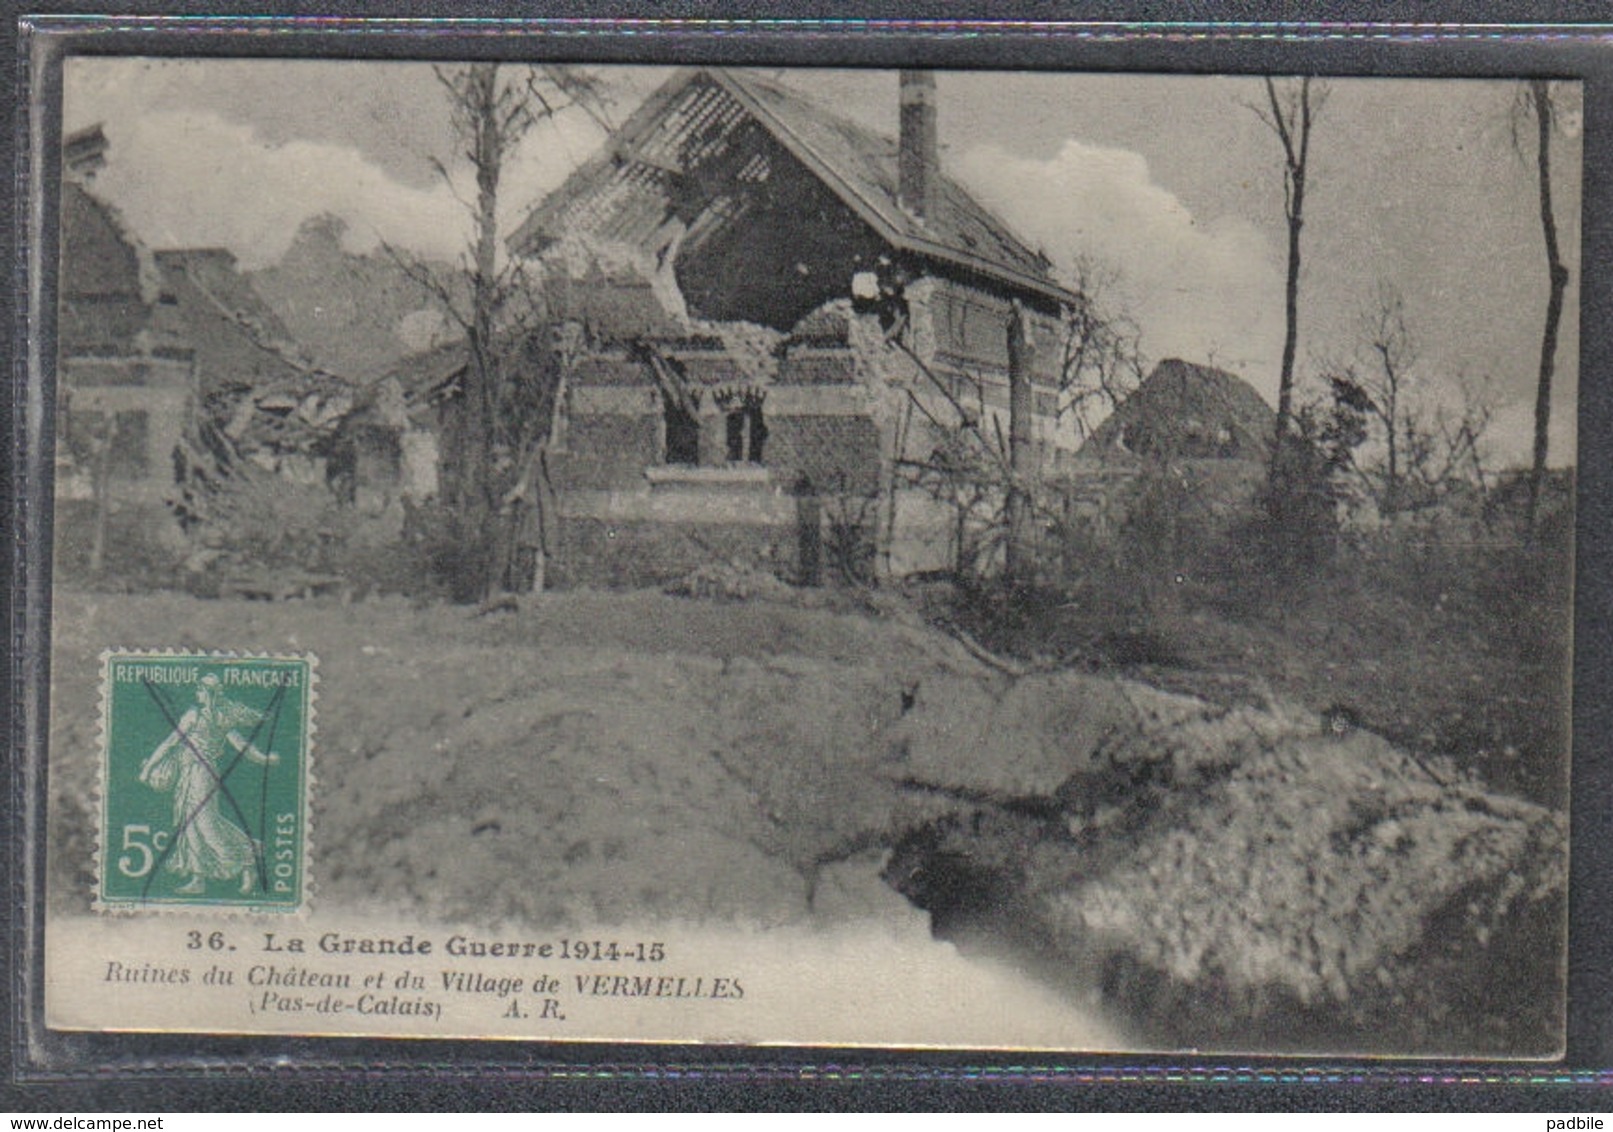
(918, 163)
(84, 153)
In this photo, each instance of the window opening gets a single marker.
(746, 429)
(682, 432)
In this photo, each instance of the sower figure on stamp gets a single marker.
(191, 762)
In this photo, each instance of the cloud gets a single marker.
(188, 178)
(1509, 441)
(1200, 291)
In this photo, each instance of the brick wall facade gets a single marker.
(832, 406)
(606, 451)
(838, 454)
(629, 517)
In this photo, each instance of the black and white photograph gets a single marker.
(899, 558)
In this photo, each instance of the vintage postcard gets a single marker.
(1034, 561)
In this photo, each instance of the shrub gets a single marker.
(268, 522)
(447, 554)
(850, 542)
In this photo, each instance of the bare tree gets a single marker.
(1289, 112)
(1386, 384)
(1017, 561)
(1407, 449)
(1101, 362)
(1537, 103)
(493, 302)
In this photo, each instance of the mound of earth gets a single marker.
(587, 760)
(1242, 876)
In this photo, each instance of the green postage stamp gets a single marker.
(204, 781)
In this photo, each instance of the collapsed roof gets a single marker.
(718, 160)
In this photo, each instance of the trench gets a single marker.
(1475, 969)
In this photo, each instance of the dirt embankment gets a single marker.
(590, 759)
(1224, 876)
(1240, 878)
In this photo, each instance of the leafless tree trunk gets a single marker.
(492, 112)
(1021, 452)
(494, 130)
(1540, 95)
(1102, 361)
(490, 118)
(1289, 113)
(1392, 346)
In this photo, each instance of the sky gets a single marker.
(1172, 183)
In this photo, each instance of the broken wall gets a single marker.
(629, 516)
(843, 410)
(961, 331)
(104, 290)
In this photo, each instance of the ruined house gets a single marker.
(785, 318)
(125, 392)
(177, 380)
(278, 407)
(239, 349)
(268, 402)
